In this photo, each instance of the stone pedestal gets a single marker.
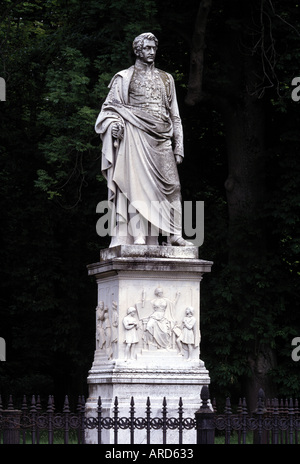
(147, 335)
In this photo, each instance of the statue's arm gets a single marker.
(177, 125)
(109, 123)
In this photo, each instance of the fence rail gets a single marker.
(273, 421)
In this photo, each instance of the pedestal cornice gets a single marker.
(149, 258)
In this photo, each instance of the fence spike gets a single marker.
(99, 407)
(82, 403)
(204, 395)
(38, 403)
(286, 406)
(244, 407)
(275, 406)
(10, 403)
(260, 409)
(269, 406)
(180, 409)
(227, 406)
(50, 407)
(239, 407)
(281, 407)
(66, 407)
(214, 405)
(24, 404)
(132, 409)
(79, 404)
(148, 406)
(33, 404)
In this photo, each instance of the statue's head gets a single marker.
(145, 44)
(131, 310)
(189, 311)
(158, 292)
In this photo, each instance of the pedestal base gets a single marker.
(148, 336)
(155, 384)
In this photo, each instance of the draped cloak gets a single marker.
(142, 165)
(161, 322)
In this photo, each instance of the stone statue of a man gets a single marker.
(142, 142)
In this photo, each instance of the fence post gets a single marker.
(205, 423)
(99, 415)
(66, 414)
(131, 413)
(11, 419)
(82, 420)
(148, 419)
(50, 412)
(260, 434)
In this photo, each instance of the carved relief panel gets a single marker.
(135, 318)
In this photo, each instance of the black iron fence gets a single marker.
(273, 422)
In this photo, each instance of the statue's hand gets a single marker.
(117, 131)
(178, 159)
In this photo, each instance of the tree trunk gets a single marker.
(244, 119)
(245, 190)
(197, 54)
(260, 365)
(245, 186)
(243, 115)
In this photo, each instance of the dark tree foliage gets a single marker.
(246, 78)
(57, 58)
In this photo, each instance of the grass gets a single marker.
(43, 439)
(234, 439)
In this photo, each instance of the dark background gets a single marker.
(233, 64)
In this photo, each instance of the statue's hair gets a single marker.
(189, 308)
(139, 41)
(158, 290)
(131, 309)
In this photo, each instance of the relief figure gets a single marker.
(190, 334)
(131, 324)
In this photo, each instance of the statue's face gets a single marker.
(158, 292)
(148, 51)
